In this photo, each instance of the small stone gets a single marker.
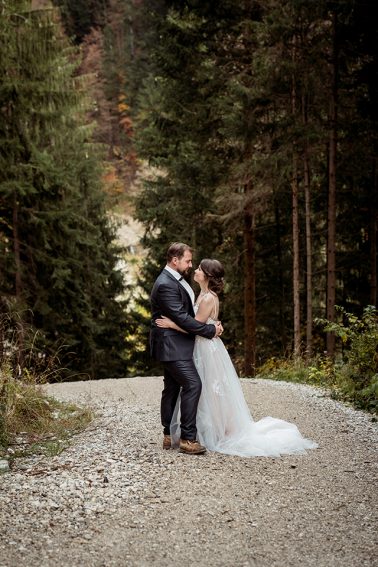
(4, 465)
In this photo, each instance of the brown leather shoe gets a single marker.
(191, 447)
(167, 442)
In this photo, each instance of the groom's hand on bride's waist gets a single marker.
(218, 328)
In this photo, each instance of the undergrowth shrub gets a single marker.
(319, 371)
(353, 375)
(29, 419)
(357, 375)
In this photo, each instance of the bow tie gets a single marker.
(181, 279)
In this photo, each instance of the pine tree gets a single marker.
(80, 16)
(58, 257)
(244, 126)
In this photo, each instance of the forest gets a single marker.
(245, 129)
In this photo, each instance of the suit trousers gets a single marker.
(181, 374)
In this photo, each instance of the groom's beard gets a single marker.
(185, 274)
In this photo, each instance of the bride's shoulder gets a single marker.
(212, 296)
(207, 298)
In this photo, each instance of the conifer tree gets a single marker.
(57, 252)
(262, 147)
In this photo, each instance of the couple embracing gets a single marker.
(202, 404)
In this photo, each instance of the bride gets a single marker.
(224, 422)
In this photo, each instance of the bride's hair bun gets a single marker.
(214, 271)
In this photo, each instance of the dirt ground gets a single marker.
(114, 498)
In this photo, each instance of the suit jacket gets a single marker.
(169, 298)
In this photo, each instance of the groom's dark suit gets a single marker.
(175, 350)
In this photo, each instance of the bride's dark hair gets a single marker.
(214, 271)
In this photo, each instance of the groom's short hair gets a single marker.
(177, 250)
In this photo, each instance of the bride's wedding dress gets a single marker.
(224, 422)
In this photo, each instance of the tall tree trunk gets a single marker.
(331, 234)
(16, 251)
(249, 292)
(18, 285)
(280, 278)
(249, 238)
(373, 237)
(307, 193)
(296, 273)
(295, 222)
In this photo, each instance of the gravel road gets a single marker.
(115, 499)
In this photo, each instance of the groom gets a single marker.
(173, 297)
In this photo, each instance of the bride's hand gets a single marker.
(164, 322)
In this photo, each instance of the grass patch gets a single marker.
(353, 375)
(32, 422)
(337, 377)
(319, 372)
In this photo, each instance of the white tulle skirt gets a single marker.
(224, 422)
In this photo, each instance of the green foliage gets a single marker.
(206, 89)
(215, 113)
(57, 256)
(358, 375)
(31, 421)
(80, 16)
(43, 423)
(353, 376)
(177, 202)
(318, 372)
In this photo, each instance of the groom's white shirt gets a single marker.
(183, 282)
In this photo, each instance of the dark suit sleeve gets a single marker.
(171, 306)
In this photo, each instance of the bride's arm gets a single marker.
(167, 323)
